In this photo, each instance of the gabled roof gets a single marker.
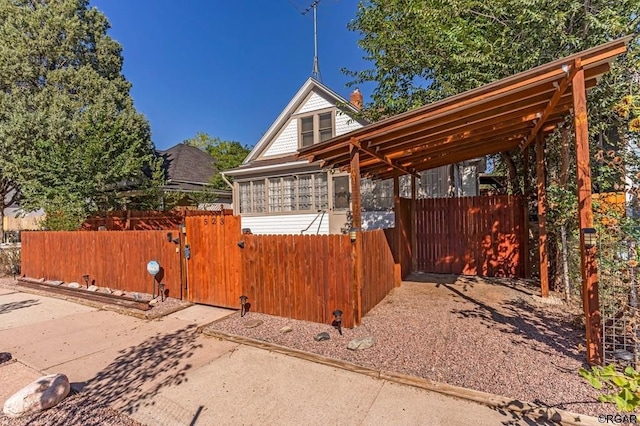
(186, 163)
(310, 85)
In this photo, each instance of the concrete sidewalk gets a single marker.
(163, 372)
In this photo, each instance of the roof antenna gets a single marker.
(315, 72)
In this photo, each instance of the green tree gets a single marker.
(69, 133)
(227, 154)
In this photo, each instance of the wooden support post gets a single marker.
(589, 265)
(414, 224)
(526, 191)
(399, 226)
(542, 218)
(356, 247)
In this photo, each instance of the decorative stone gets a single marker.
(44, 393)
(5, 357)
(154, 302)
(286, 329)
(253, 323)
(107, 290)
(321, 336)
(118, 293)
(41, 280)
(74, 285)
(56, 282)
(92, 288)
(136, 297)
(361, 343)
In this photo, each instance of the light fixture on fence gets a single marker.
(153, 268)
(590, 238)
(171, 239)
(243, 305)
(353, 234)
(246, 230)
(86, 280)
(337, 320)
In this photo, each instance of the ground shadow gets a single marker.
(525, 320)
(5, 308)
(140, 371)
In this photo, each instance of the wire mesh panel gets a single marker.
(619, 276)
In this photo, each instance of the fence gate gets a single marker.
(213, 268)
(471, 235)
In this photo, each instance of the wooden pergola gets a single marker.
(509, 114)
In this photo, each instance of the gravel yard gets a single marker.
(494, 337)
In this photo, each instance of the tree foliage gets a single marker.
(227, 154)
(426, 50)
(69, 133)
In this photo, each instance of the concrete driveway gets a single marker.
(163, 372)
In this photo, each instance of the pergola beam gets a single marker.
(383, 158)
(562, 87)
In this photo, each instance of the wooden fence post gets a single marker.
(356, 247)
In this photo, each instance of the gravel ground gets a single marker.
(73, 410)
(494, 337)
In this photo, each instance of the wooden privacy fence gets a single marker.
(471, 235)
(133, 220)
(299, 276)
(111, 259)
(379, 272)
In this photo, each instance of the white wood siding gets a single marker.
(345, 124)
(378, 220)
(286, 142)
(287, 224)
(314, 103)
(469, 181)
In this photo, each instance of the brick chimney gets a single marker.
(356, 98)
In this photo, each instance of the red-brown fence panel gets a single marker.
(117, 260)
(471, 235)
(377, 269)
(299, 276)
(214, 273)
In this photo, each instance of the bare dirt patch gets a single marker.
(492, 336)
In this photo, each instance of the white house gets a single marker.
(275, 193)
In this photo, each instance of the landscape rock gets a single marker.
(286, 329)
(41, 280)
(107, 290)
(361, 343)
(154, 302)
(321, 336)
(44, 393)
(5, 357)
(55, 282)
(253, 323)
(74, 285)
(92, 288)
(118, 293)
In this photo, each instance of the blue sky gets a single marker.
(227, 68)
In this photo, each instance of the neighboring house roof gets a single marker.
(188, 164)
(310, 85)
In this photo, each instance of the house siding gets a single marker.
(315, 102)
(288, 224)
(286, 142)
(345, 124)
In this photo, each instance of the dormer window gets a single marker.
(316, 128)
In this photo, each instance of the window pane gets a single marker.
(245, 197)
(289, 194)
(307, 139)
(306, 124)
(321, 192)
(304, 192)
(275, 195)
(325, 121)
(325, 135)
(341, 193)
(258, 196)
